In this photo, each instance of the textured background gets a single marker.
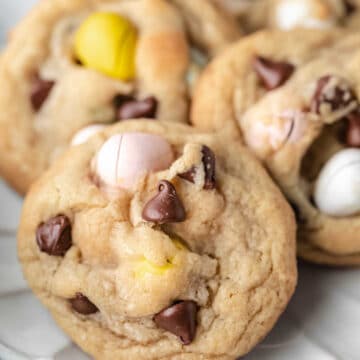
(321, 323)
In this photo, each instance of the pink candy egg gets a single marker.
(124, 158)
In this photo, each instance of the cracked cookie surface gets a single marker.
(193, 260)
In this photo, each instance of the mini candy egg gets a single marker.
(124, 158)
(144, 267)
(106, 42)
(337, 191)
(291, 14)
(85, 134)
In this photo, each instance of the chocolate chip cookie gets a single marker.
(91, 63)
(305, 126)
(155, 241)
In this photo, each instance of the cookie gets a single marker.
(314, 161)
(72, 73)
(305, 128)
(155, 241)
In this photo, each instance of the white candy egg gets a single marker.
(337, 191)
(124, 158)
(290, 14)
(85, 134)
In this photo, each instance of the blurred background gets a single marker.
(10, 12)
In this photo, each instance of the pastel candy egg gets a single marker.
(144, 267)
(106, 42)
(85, 134)
(124, 158)
(337, 191)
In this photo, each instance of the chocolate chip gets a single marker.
(180, 320)
(209, 166)
(272, 73)
(209, 163)
(331, 94)
(135, 109)
(353, 130)
(165, 207)
(121, 99)
(189, 175)
(40, 90)
(54, 236)
(350, 8)
(83, 305)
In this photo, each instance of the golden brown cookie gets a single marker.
(302, 119)
(155, 241)
(91, 62)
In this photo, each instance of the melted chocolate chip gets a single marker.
(209, 166)
(180, 320)
(135, 109)
(40, 91)
(353, 130)
(189, 175)
(209, 163)
(83, 305)
(165, 207)
(272, 73)
(331, 93)
(54, 236)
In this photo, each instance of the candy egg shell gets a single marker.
(85, 134)
(145, 267)
(290, 14)
(337, 191)
(106, 42)
(124, 158)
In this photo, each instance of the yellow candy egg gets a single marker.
(106, 42)
(144, 266)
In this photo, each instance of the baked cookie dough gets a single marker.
(155, 241)
(91, 62)
(242, 75)
(304, 124)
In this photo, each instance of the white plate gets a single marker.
(321, 323)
